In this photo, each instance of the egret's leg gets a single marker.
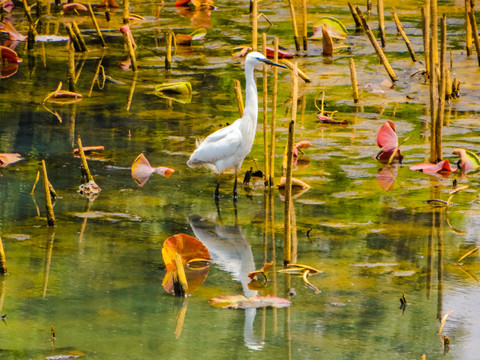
(217, 189)
(235, 186)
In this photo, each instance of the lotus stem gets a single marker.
(265, 113)
(126, 11)
(294, 22)
(85, 168)
(476, 40)
(168, 55)
(441, 95)
(48, 199)
(378, 49)
(381, 22)
(358, 24)
(35, 182)
(404, 36)
(73, 37)
(434, 32)
(254, 11)
(78, 34)
(274, 114)
(426, 36)
(97, 28)
(468, 29)
(238, 94)
(287, 247)
(353, 76)
(71, 67)
(3, 260)
(305, 24)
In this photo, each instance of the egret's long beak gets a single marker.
(268, 62)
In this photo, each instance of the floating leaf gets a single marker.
(241, 302)
(141, 170)
(387, 140)
(62, 96)
(87, 149)
(9, 158)
(333, 26)
(178, 251)
(429, 168)
(295, 183)
(466, 254)
(468, 160)
(199, 34)
(70, 7)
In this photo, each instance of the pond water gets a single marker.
(96, 276)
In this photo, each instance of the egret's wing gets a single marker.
(221, 144)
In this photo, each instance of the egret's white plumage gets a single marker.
(227, 148)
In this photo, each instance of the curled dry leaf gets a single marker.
(9, 158)
(469, 161)
(263, 271)
(71, 7)
(14, 34)
(180, 92)
(387, 140)
(178, 251)
(241, 302)
(295, 183)
(141, 170)
(300, 145)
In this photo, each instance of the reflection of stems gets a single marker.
(440, 270)
(84, 223)
(3, 290)
(48, 199)
(132, 90)
(3, 260)
(181, 317)
(95, 23)
(95, 78)
(48, 259)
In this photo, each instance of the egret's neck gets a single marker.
(251, 100)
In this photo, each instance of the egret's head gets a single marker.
(255, 58)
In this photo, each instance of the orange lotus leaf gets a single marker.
(141, 170)
(186, 260)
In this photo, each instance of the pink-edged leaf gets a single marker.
(9, 158)
(469, 161)
(241, 302)
(429, 168)
(241, 51)
(387, 138)
(70, 7)
(8, 5)
(14, 34)
(125, 30)
(164, 171)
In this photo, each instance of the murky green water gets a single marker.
(97, 275)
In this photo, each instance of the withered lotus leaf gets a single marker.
(184, 88)
(109, 3)
(333, 26)
(182, 2)
(179, 252)
(9, 158)
(429, 168)
(300, 145)
(9, 55)
(14, 34)
(241, 302)
(87, 149)
(183, 39)
(70, 7)
(199, 34)
(62, 96)
(141, 170)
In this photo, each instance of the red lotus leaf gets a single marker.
(241, 302)
(468, 160)
(282, 54)
(70, 7)
(141, 170)
(9, 158)
(182, 2)
(8, 5)
(429, 168)
(191, 251)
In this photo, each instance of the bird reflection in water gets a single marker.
(230, 250)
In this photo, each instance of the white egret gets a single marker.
(227, 148)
